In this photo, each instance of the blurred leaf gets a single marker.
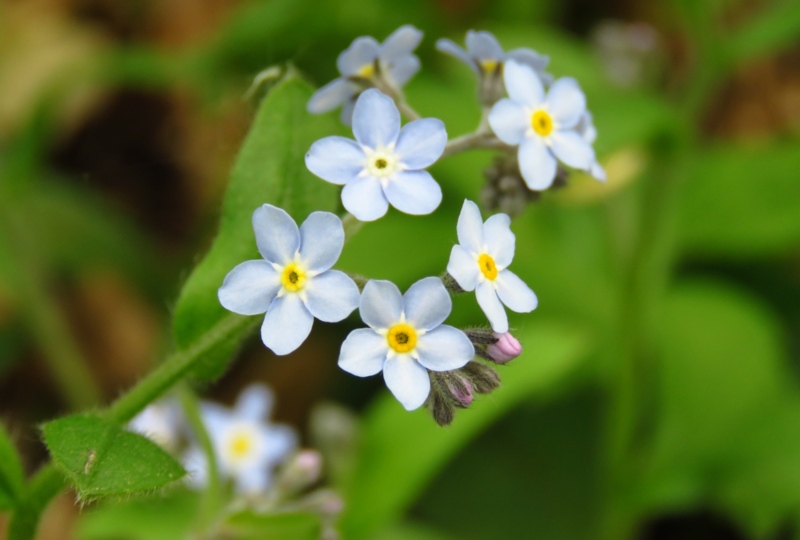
(742, 201)
(151, 518)
(402, 450)
(271, 169)
(775, 28)
(100, 458)
(12, 478)
(289, 526)
(720, 370)
(417, 531)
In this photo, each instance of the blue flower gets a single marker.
(385, 163)
(485, 55)
(361, 63)
(405, 338)
(293, 284)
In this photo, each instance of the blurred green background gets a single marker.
(657, 397)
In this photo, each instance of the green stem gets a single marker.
(44, 318)
(45, 485)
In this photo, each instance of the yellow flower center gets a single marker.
(381, 164)
(489, 66)
(240, 446)
(367, 71)
(402, 338)
(542, 123)
(293, 277)
(487, 266)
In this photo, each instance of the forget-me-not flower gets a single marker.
(293, 284)
(393, 60)
(385, 163)
(480, 262)
(485, 55)
(405, 338)
(543, 125)
(246, 446)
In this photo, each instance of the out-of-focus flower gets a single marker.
(246, 446)
(479, 263)
(543, 125)
(505, 349)
(160, 422)
(385, 163)
(362, 63)
(405, 338)
(485, 56)
(294, 283)
(589, 133)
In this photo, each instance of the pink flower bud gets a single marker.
(506, 349)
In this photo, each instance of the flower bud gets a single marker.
(460, 390)
(505, 349)
(302, 471)
(441, 407)
(483, 378)
(481, 336)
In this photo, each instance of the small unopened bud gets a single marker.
(441, 407)
(505, 349)
(451, 284)
(481, 336)
(460, 390)
(302, 471)
(483, 378)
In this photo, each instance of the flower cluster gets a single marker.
(537, 125)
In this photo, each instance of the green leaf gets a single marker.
(403, 450)
(290, 526)
(721, 368)
(742, 201)
(151, 518)
(11, 475)
(100, 458)
(271, 169)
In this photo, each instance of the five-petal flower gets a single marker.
(543, 125)
(405, 338)
(293, 284)
(485, 55)
(479, 262)
(246, 446)
(385, 163)
(361, 62)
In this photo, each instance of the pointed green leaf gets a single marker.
(100, 458)
(11, 476)
(271, 169)
(403, 450)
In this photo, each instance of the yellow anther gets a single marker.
(487, 266)
(542, 123)
(293, 277)
(402, 338)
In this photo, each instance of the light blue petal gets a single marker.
(321, 241)
(335, 159)
(277, 236)
(402, 42)
(445, 349)
(421, 143)
(254, 403)
(286, 325)
(376, 120)
(249, 288)
(216, 419)
(523, 84)
(509, 121)
(470, 228)
(529, 57)
(408, 381)
(464, 269)
(414, 192)
(566, 102)
(278, 442)
(381, 304)
(363, 353)
(330, 96)
(196, 465)
(252, 480)
(491, 306)
(346, 116)
(363, 51)
(514, 293)
(402, 69)
(427, 303)
(536, 163)
(331, 296)
(598, 171)
(448, 47)
(571, 149)
(500, 241)
(364, 198)
(586, 128)
(483, 45)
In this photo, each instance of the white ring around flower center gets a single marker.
(382, 163)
